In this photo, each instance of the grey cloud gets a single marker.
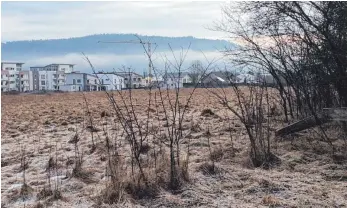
(150, 18)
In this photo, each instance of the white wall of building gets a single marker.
(76, 80)
(70, 88)
(53, 76)
(25, 81)
(11, 80)
(51, 80)
(67, 68)
(111, 81)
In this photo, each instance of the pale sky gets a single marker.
(51, 20)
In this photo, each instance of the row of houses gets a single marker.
(62, 77)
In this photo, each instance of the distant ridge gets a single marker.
(89, 44)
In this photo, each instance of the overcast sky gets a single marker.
(50, 20)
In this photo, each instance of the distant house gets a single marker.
(131, 79)
(218, 79)
(175, 80)
(246, 78)
(110, 81)
(76, 81)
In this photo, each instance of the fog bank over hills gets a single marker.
(106, 56)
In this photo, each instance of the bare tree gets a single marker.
(196, 70)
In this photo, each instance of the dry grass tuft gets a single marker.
(74, 139)
(64, 123)
(38, 205)
(145, 148)
(217, 154)
(44, 193)
(141, 190)
(50, 164)
(207, 113)
(270, 201)
(111, 195)
(104, 114)
(92, 129)
(80, 173)
(208, 168)
(25, 191)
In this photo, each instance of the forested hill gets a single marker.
(89, 44)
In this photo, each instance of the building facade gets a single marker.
(76, 81)
(50, 77)
(175, 80)
(131, 79)
(110, 81)
(25, 81)
(10, 76)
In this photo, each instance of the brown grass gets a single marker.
(306, 177)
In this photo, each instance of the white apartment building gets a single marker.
(131, 79)
(175, 80)
(10, 77)
(25, 81)
(76, 81)
(110, 81)
(50, 77)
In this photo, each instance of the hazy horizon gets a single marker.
(35, 20)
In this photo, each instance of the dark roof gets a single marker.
(127, 73)
(81, 73)
(60, 64)
(11, 62)
(176, 75)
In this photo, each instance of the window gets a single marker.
(171, 79)
(87, 81)
(139, 79)
(126, 79)
(12, 82)
(184, 80)
(115, 81)
(73, 81)
(21, 76)
(43, 88)
(107, 80)
(79, 81)
(134, 79)
(43, 83)
(42, 76)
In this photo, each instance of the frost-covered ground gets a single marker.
(42, 125)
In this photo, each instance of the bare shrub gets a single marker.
(252, 104)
